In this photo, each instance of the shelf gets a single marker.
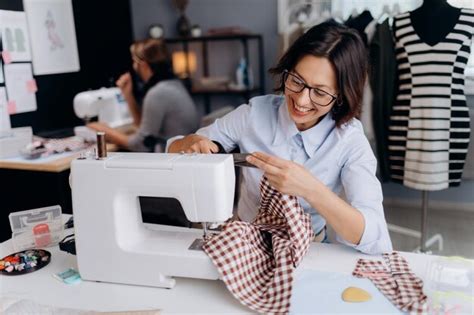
(245, 40)
(212, 38)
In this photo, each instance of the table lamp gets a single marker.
(184, 64)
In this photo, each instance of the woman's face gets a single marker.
(316, 72)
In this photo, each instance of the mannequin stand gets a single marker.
(424, 244)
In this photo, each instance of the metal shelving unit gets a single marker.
(204, 40)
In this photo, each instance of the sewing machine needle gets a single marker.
(204, 225)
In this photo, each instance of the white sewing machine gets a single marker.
(113, 244)
(106, 103)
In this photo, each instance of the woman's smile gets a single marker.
(302, 110)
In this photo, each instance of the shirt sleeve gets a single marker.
(229, 129)
(364, 192)
(151, 121)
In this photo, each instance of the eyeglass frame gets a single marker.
(287, 73)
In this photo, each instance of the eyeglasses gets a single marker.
(317, 96)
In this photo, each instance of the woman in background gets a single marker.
(167, 109)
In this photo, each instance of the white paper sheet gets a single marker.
(53, 36)
(319, 292)
(20, 98)
(4, 117)
(16, 305)
(15, 38)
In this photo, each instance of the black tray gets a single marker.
(40, 262)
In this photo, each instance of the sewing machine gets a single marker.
(106, 103)
(113, 244)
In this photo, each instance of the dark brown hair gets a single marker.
(344, 48)
(149, 50)
(155, 54)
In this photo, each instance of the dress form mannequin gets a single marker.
(434, 19)
(428, 136)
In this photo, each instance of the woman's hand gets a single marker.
(111, 135)
(125, 84)
(285, 176)
(193, 143)
(98, 126)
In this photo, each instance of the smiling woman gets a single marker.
(306, 111)
(308, 142)
(333, 59)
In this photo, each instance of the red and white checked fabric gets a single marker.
(396, 281)
(256, 260)
(65, 144)
(61, 145)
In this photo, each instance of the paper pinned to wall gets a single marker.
(4, 117)
(15, 37)
(20, 98)
(53, 36)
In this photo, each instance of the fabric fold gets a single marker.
(396, 281)
(256, 260)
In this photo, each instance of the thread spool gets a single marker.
(101, 146)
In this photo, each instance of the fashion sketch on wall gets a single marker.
(53, 36)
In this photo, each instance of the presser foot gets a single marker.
(197, 244)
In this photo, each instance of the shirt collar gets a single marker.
(286, 128)
(312, 137)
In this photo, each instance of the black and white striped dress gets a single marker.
(429, 125)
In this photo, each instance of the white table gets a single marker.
(188, 296)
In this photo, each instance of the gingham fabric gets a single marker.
(256, 260)
(65, 144)
(396, 281)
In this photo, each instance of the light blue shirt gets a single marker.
(339, 157)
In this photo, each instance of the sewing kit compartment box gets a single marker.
(36, 228)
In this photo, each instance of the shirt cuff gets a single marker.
(171, 140)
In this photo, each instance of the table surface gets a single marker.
(57, 163)
(188, 296)
(54, 163)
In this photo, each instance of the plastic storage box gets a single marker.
(36, 228)
(450, 285)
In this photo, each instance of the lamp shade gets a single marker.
(184, 63)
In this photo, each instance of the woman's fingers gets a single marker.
(269, 159)
(123, 78)
(274, 181)
(202, 145)
(261, 164)
(95, 126)
(213, 147)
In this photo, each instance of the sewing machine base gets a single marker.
(163, 253)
